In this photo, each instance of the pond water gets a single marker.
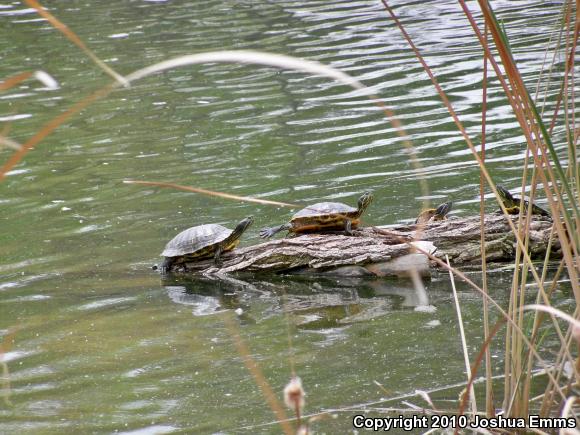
(101, 344)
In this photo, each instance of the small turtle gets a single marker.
(323, 216)
(512, 203)
(435, 214)
(201, 242)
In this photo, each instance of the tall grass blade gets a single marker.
(468, 370)
(527, 104)
(461, 128)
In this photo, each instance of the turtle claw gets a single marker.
(266, 233)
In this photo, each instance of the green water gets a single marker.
(101, 344)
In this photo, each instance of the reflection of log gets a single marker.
(382, 252)
(316, 302)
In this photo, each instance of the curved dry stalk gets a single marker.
(254, 57)
(292, 63)
(241, 56)
(556, 312)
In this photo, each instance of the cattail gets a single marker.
(576, 333)
(294, 395)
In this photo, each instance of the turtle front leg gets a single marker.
(266, 233)
(166, 265)
(348, 227)
(217, 256)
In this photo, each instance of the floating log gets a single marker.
(384, 251)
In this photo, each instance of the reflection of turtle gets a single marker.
(512, 203)
(201, 242)
(323, 216)
(436, 214)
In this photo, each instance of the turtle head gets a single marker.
(443, 209)
(364, 201)
(243, 226)
(506, 197)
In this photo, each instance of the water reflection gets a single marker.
(315, 303)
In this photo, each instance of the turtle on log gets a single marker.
(323, 216)
(202, 242)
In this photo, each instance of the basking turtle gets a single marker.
(201, 242)
(323, 216)
(436, 214)
(512, 203)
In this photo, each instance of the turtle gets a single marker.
(512, 203)
(436, 214)
(323, 216)
(202, 242)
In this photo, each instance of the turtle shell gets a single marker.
(195, 239)
(324, 209)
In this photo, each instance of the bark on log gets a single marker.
(383, 251)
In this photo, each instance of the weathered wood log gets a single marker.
(460, 238)
(383, 251)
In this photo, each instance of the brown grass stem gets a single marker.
(12, 81)
(256, 372)
(49, 127)
(210, 192)
(65, 30)
(488, 366)
(472, 148)
(475, 367)
(519, 101)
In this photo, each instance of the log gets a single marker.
(384, 251)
